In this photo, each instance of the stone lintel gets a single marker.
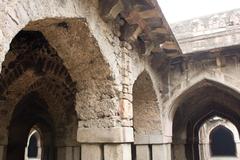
(105, 135)
(152, 139)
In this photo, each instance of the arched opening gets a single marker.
(227, 137)
(201, 102)
(146, 115)
(34, 145)
(222, 142)
(39, 93)
(31, 111)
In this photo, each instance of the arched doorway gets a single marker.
(227, 137)
(31, 112)
(202, 101)
(40, 93)
(222, 142)
(34, 145)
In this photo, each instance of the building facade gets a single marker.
(107, 80)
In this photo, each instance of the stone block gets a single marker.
(91, 152)
(2, 152)
(117, 152)
(126, 109)
(161, 151)
(64, 153)
(76, 153)
(142, 152)
(105, 135)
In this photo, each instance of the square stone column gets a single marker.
(161, 151)
(91, 152)
(105, 143)
(2, 152)
(117, 152)
(143, 152)
(68, 153)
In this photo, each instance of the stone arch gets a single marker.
(211, 122)
(34, 144)
(146, 116)
(29, 112)
(32, 66)
(233, 129)
(88, 66)
(72, 40)
(92, 70)
(146, 110)
(229, 86)
(201, 99)
(16, 15)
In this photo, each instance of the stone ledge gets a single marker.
(152, 139)
(105, 135)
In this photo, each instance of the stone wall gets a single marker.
(208, 32)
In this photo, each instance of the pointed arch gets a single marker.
(182, 95)
(190, 109)
(222, 142)
(146, 110)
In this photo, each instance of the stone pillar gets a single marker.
(238, 149)
(179, 152)
(204, 151)
(105, 143)
(91, 152)
(156, 146)
(68, 153)
(161, 151)
(143, 152)
(3, 152)
(117, 152)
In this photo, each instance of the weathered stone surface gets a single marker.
(102, 82)
(208, 32)
(91, 152)
(98, 135)
(143, 152)
(117, 152)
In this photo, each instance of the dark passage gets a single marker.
(33, 148)
(222, 142)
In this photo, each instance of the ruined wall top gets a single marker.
(208, 32)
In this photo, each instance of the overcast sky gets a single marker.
(178, 10)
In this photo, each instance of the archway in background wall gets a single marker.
(146, 116)
(38, 91)
(222, 142)
(204, 136)
(31, 112)
(205, 99)
(33, 150)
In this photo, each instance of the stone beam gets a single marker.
(169, 45)
(102, 135)
(144, 24)
(110, 9)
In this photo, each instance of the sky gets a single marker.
(178, 10)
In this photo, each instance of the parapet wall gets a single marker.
(208, 32)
